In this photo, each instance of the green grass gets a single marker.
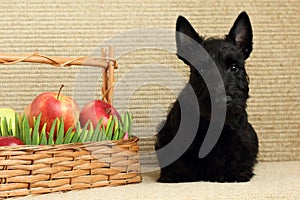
(115, 130)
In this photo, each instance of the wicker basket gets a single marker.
(31, 170)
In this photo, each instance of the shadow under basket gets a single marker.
(32, 170)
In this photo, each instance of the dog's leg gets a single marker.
(177, 172)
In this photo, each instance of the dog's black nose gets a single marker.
(228, 100)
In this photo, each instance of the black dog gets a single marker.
(234, 155)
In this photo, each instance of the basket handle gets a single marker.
(108, 63)
(108, 77)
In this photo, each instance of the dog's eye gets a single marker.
(234, 68)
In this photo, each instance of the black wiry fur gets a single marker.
(233, 157)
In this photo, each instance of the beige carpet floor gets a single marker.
(273, 180)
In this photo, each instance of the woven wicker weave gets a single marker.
(32, 170)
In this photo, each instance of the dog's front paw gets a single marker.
(166, 179)
(244, 177)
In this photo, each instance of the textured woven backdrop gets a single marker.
(78, 27)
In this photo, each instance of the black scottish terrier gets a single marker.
(234, 155)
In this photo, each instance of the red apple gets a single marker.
(53, 105)
(26, 111)
(10, 141)
(95, 110)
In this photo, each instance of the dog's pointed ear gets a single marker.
(186, 38)
(183, 27)
(241, 34)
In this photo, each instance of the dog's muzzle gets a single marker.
(227, 100)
